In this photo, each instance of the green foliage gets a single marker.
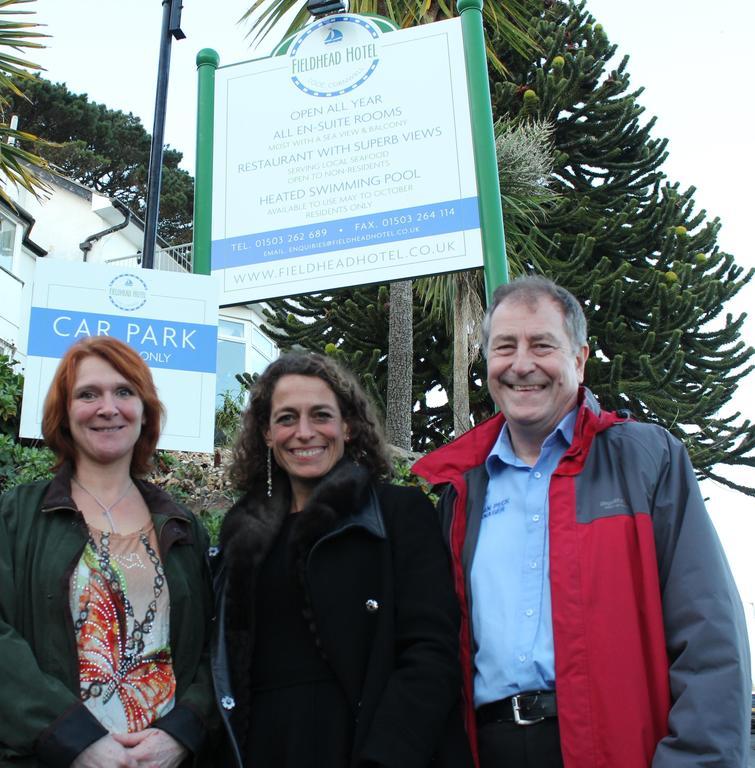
(17, 35)
(22, 464)
(196, 483)
(18, 463)
(525, 155)
(183, 478)
(228, 416)
(11, 387)
(247, 380)
(17, 163)
(107, 150)
(212, 519)
(631, 244)
(402, 475)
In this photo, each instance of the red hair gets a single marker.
(129, 364)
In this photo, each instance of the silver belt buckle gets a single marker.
(517, 718)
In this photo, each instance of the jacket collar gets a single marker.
(58, 495)
(367, 516)
(348, 492)
(449, 463)
(161, 506)
(343, 498)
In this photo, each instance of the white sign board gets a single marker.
(170, 319)
(346, 160)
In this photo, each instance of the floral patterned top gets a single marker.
(121, 613)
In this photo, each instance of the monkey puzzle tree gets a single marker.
(630, 244)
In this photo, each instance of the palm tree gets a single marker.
(456, 300)
(17, 164)
(508, 18)
(525, 162)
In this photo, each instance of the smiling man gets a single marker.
(601, 622)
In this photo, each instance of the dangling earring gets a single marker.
(269, 473)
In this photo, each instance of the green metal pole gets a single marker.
(207, 63)
(495, 263)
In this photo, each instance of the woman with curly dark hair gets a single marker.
(336, 643)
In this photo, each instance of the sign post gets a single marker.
(207, 63)
(486, 163)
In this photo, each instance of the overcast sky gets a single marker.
(693, 57)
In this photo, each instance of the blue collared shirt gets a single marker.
(511, 605)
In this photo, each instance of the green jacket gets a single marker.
(42, 535)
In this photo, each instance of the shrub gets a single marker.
(18, 463)
(228, 416)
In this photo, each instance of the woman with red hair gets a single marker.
(104, 591)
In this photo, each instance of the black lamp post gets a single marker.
(171, 28)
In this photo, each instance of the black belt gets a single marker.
(522, 709)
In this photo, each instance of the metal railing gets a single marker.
(174, 259)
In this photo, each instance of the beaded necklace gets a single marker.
(135, 642)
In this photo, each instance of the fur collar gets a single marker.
(343, 497)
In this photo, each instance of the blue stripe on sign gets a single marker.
(162, 344)
(342, 234)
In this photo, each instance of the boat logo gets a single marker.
(334, 36)
(335, 55)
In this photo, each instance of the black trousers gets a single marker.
(508, 745)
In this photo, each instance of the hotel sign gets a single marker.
(345, 158)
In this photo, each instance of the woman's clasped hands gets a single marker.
(150, 748)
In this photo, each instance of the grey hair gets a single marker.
(531, 288)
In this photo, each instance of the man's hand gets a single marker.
(106, 751)
(152, 748)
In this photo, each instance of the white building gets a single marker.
(74, 223)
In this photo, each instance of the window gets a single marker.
(231, 328)
(263, 351)
(7, 241)
(231, 357)
(231, 360)
(262, 343)
(241, 347)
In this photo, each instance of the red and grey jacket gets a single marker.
(651, 651)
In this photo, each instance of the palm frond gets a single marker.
(507, 17)
(16, 163)
(270, 16)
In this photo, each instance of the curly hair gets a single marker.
(128, 363)
(366, 446)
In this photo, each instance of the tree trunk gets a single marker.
(461, 358)
(398, 405)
